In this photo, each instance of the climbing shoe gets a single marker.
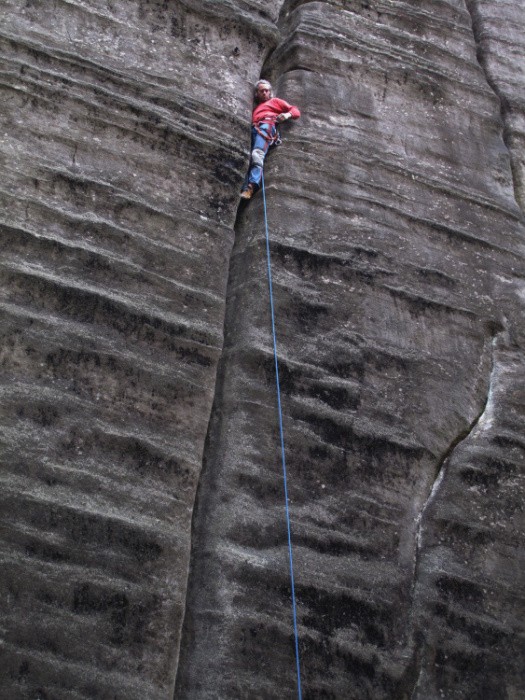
(248, 192)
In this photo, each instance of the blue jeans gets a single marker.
(260, 145)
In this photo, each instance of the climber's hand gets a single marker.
(283, 117)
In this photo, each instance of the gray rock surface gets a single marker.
(143, 535)
(499, 29)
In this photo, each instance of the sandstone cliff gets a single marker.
(143, 535)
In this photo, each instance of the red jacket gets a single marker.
(269, 110)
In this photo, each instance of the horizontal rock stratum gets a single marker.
(144, 547)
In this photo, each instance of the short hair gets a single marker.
(262, 82)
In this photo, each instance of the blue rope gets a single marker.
(281, 432)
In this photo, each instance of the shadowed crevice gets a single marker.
(189, 655)
(206, 486)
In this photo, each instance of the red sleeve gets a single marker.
(285, 107)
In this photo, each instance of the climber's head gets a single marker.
(263, 91)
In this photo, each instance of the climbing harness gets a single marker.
(273, 139)
(281, 433)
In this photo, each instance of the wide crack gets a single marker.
(209, 477)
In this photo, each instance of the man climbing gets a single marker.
(268, 112)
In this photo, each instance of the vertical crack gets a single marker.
(206, 484)
(209, 475)
(483, 416)
(445, 459)
(198, 587)
(480, 39)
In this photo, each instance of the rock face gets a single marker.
(499, 29)
(144, 549)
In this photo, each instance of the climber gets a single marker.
(268, 112)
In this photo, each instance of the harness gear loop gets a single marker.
(274, 139)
